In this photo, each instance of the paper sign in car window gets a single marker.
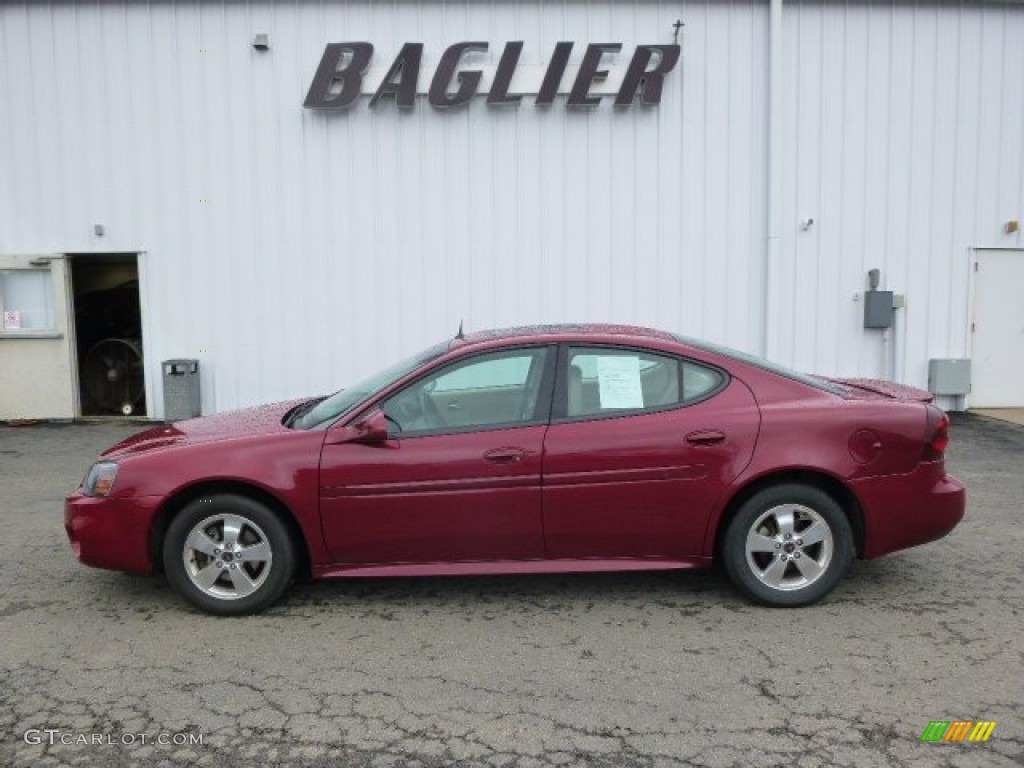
(618, 379)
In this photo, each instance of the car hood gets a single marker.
(887, 389)
(249, 422)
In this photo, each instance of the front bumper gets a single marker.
(111, 532)
(903, 511)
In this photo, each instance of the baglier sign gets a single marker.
(343, 75)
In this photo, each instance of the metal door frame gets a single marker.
(149, 376)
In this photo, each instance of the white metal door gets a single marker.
(997, 367)
(36, 371)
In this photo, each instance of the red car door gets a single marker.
(640, 448)
(459, 477)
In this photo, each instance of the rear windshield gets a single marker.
(760, 362)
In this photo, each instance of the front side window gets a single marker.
(604, 382)
(320, 414)
(498, 389)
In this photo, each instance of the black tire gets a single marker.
(782, 571)
(250, 575)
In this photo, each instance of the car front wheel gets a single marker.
(228, 554)
(788, 545)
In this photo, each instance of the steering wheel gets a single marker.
(407, 409)
(398, 427)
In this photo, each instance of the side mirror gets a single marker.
(372, 429)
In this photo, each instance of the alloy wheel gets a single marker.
(789, 547)
(227, 556)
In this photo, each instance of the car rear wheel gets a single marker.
(228, 554)
(788, 545)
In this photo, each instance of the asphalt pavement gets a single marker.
(660, 669)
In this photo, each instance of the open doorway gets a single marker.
(108, 334)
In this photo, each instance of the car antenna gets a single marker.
(460, 334)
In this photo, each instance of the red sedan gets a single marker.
(546, 449)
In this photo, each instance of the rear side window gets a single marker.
(602, 381)
(699, 381)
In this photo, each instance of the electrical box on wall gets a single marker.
(878, 307)
(949, 376)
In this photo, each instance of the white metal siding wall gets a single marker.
(334, 243)
(905, 143)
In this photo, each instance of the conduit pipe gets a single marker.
(774, 180)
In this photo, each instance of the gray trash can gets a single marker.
(181, 389)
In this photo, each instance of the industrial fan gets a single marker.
(113, 375)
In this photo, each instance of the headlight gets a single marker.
(100, 479)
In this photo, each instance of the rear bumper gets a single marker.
(903, 511)
(111, 533)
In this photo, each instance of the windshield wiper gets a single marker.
(301, 410)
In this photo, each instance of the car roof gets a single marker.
(562, 330)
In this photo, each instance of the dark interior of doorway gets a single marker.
(108, 334)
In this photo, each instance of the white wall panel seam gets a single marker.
(955, 175)
(930, 245)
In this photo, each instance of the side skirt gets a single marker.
(501, 567)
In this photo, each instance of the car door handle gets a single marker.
(505, 455)
(705, 437)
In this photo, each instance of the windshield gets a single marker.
(760, 362)
(340, 403)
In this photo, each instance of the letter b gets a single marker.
(330, 72)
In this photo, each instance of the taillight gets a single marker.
(936, 435)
